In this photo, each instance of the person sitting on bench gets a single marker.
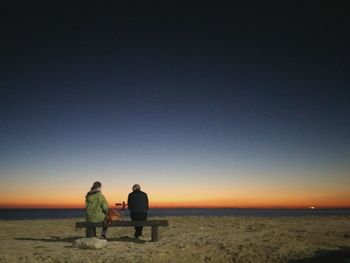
(96, 209)
(138, 206)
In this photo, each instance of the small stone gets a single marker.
(207, 258)
(90, 243)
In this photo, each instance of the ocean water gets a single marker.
(19, 214)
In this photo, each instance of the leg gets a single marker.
(90, 232)
(133, 217)
(104, 232)
(138, 231)
(143, 216)
(138, 217)
(104, 229)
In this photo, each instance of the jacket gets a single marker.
(138, 202)
(96, 206)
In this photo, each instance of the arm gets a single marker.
(104, 205)
(147, 202)
(129, 202)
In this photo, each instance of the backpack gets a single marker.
(114, 215)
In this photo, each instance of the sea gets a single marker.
(39, 213)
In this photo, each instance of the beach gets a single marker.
(186, 239)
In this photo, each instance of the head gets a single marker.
(136, 187)
(96, 186)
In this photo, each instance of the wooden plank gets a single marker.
(124, 223)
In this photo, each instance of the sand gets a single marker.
(187, 239)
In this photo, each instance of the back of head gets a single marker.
(96, 185)
(136, 187)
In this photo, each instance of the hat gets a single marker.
(96, 185)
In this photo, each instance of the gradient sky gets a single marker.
(203, 106)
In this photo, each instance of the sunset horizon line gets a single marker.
(181, 207)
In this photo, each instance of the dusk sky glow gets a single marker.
(203, 106)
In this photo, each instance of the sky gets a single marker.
(203, 106)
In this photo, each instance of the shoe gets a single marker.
(103, 237)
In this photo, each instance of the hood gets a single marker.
(93, 191)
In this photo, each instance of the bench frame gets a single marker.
(154, 224)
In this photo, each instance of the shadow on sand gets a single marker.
(50, 239)
(340, 255)
(71, 239)
(128, 239)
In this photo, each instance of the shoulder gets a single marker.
(100, 195)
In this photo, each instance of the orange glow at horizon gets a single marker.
(175, 193)
(288, 203)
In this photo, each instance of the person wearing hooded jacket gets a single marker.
(96, 209)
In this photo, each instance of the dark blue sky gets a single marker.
(252, 84)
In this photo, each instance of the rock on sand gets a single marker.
(90, 243)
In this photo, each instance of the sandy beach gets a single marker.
(187, 239)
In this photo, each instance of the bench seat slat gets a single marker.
(125, 223)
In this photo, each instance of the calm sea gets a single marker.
(17, 214)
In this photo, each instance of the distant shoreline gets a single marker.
(64, 213)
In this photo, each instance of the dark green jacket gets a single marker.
(96, 206)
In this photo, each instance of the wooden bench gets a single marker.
(154, 224)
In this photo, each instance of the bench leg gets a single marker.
(90, 232)
(154, 233)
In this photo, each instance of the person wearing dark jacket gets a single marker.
(138, 207)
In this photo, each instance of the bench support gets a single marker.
(154, 224)
(155, 233)
(89, 232)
